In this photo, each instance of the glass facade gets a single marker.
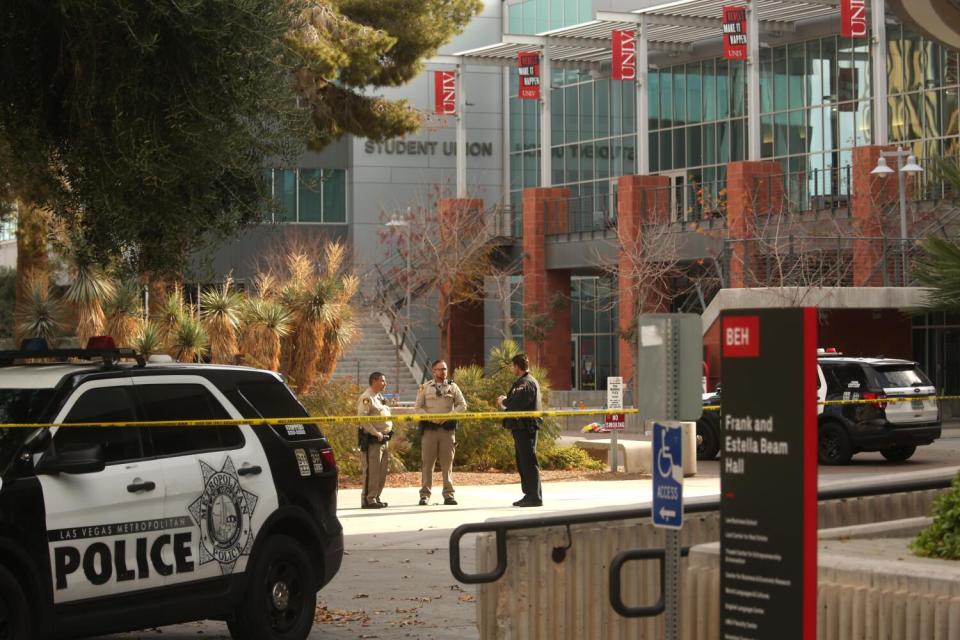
(310, 195)
(922, 103)
(815, 108)
(593, 329)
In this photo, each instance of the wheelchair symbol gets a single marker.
(667, 466)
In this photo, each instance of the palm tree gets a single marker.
(939, 269)
(220, 312)
(124, 313)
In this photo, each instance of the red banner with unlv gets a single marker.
(853, 18)
(528, 68)
(445, 92)
(624, 55)
(735, 33)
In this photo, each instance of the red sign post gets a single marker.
(528, 67)
(624, 55)
(853, 18)
(735, 33)
(445, 92)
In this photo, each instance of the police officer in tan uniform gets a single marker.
(438, 438)
(374, 436)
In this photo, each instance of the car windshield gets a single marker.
(904, 375)
(18, 406)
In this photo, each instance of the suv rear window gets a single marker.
(271, 399)
(902, 375)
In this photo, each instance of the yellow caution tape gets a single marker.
(415, 417)
(885, 400)
(403, 417)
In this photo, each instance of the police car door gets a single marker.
(216, 477)
(104, 528)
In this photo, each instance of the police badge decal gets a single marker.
(223, 514)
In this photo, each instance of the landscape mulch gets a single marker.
(481, 478)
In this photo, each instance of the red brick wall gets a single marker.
(463, 337)
(640, 199)
(753, 189)
(543, 207)
(871, 194)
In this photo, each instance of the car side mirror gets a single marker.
(72, 459)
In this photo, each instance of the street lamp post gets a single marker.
(396, 222)
(911, 166)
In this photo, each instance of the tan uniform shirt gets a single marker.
(439, 397)
(371, 403)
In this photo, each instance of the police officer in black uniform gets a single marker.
(525, 396)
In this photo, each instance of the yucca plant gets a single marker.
(312, 314)
(341, 331)
(89, 289)
(169, 315)
(265, 323)
(148, 339)
(220, 313)
(124, 313)
(41, 314)
(189, 341)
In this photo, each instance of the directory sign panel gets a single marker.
(768, 474)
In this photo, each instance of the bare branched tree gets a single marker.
(451, 255)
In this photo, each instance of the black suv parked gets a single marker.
(895, 429)
(107, 529)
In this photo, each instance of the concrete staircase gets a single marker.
(374, 351)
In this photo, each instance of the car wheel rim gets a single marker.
(829, 445)
(285, 596)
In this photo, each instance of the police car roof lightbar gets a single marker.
(101, 347)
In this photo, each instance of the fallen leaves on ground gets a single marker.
(340, 617)
(466, 597)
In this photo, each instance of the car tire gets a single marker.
(900, 453)
(15, 620)
(281, 596)
(833, 444)
(708, 436)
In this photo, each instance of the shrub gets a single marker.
(338, 398)
(942, 538)
(568, 458)
(485, 444)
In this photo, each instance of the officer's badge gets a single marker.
(223, 513)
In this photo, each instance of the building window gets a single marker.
(308, 195)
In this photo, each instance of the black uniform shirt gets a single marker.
(524, 395)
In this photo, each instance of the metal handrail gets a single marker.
(501, 527)
(616, 584)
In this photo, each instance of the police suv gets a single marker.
(106, 529)
(902, 416)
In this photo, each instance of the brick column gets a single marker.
(462, 338)
(640, 199)
(753, 188)
(545, 208)
(871, 195)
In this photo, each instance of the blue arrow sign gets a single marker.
(667, 476)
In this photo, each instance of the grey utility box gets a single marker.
(669, 369)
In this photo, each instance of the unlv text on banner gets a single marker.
(624, 54)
